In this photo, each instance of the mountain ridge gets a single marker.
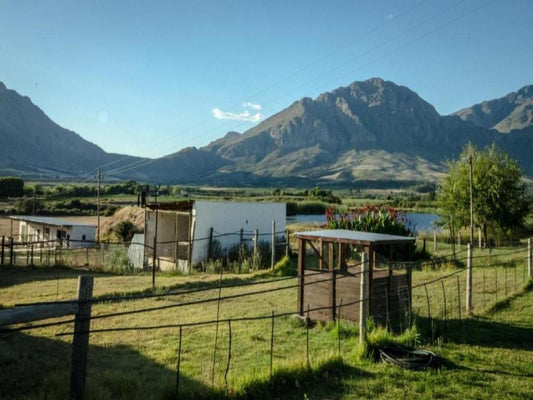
(368, 130)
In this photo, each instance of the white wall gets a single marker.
(230, 217)
(76, 235)
(34, 232)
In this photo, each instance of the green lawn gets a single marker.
(488, 356)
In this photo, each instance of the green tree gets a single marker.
(499, 195)
(29, 206)
(11, 186)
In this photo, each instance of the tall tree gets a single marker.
(500, 199)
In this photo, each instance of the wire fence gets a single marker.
(245, 251)
(224, 335)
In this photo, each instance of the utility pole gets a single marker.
(471, 202)
(33, 206)
(155, 237)
(98, 177)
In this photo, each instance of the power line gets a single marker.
(145, 162)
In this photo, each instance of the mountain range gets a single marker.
(370, 131)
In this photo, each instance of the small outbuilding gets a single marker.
(45, 230)
(329, 276)
(184, 232)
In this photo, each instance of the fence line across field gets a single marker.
(68, 251)
(194, 302)
(437, 300)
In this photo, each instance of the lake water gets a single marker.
(419, 221)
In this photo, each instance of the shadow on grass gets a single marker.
(298, 383)
(480, 330)
(39, 368)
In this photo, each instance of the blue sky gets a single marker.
(148, 78)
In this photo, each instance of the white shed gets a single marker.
(184, 229)
(45, 229)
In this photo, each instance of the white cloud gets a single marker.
(253, 106)
(249, 114)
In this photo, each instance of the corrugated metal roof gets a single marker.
(344, 235)
(48, 220)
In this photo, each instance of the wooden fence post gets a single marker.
(529, 262)
(409, 294)
(256, 240)
(80, 342)
(11, 254)
(363, 299)
(210, 245)
(273, 260)
(2, 257)
(154, 261)
(434, 241)
(469, 280)
(301, 275)
(287, 244)
(241, 249)
(479, 237)
(332, 287)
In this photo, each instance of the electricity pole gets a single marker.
(98, 177)
(471, 202)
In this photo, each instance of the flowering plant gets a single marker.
(376, 219)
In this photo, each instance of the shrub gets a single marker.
(286, 267)
(376, 219)
(11, 187)
(306, 207)
(29, 206)
(117, 261)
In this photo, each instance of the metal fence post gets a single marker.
(363, 299)
(469, 280)
(529, 263)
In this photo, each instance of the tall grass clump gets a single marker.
(117, 261)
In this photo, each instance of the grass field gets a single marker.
(488, 356)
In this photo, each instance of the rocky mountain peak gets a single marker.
(511, 112)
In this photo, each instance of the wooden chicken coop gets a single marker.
(329, 276)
